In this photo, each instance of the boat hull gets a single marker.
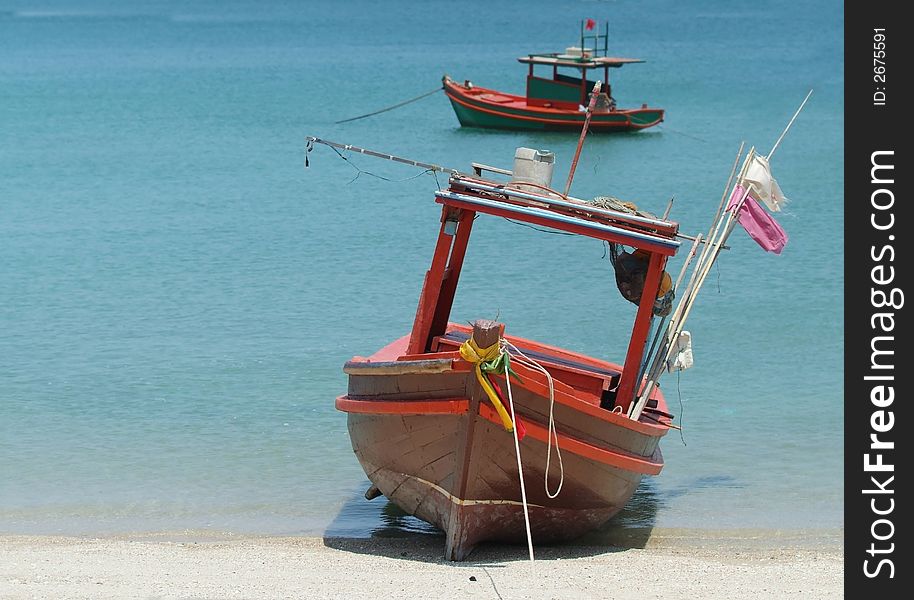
(423, 479)
(433, 445)
(479, 107)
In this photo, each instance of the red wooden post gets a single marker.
(431, 288)
(640, 331)
(451, 276)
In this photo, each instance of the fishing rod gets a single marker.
(311, 140)
(574, 203)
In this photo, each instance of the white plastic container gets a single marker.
(533, 166)
(575, 51)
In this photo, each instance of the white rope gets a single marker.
(520, 469)
(552, 434)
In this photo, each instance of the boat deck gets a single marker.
(459, 337)
(594, 381)
(521, 102)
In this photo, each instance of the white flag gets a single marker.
(762, 186)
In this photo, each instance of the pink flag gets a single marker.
(760, 226)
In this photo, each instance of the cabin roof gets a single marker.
(570, 60)
(561, 213)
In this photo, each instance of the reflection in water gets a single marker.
(700, 483)
(396, 523)
(379, 518)
(631, 528)
(361, 518)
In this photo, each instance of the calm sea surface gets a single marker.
(178, 293)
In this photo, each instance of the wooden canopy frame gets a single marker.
(468, 196)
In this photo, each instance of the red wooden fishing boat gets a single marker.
(431, 431)
(460, 425)
(554, 102)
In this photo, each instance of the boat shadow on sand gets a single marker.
(380, 528)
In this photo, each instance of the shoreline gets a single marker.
(624, 537)
(673, 563)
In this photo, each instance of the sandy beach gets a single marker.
(673, 564)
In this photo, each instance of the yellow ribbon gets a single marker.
(477, 356)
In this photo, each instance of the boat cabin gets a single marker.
(566, 84)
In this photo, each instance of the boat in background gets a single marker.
(556, 102)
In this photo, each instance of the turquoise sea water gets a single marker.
(178, 293)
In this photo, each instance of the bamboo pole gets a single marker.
(716, 222)
(691, 238)
(709, 254)
(661, 327)
(669, 207)
(676, 326)
(786, 129)
(724, 195)
(656, 363)
(715, 226)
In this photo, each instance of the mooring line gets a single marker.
(398, 105)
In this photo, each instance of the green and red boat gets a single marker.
(557, 102)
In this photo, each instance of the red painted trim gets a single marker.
(394, 351)
(587, 379)
(453, 92)
(575, 446)
(447, 406)
(547, 349)
(455, 355)
(535, 382)
(585, 385)
(570, 122)
(391, 351)
(431, 289)
(546, 221)
(640, 330)
(466, 186)
(451, 276)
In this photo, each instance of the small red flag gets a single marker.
(590, 24)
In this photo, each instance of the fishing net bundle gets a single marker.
(631, 267)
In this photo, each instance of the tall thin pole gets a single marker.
(786, 129)
(702, 266)
(720, 232)
(577, 153)
(406, 161)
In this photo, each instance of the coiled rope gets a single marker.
(552, 435)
